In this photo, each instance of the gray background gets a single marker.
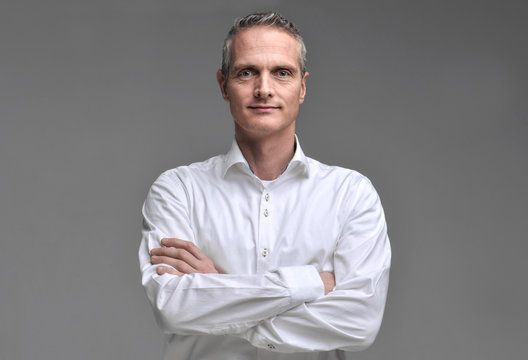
(427, 98)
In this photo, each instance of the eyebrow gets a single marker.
(243, 66)
(289, 67)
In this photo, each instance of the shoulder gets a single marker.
(352, 187)
(182, 181)
(336, 174)
(187, 174)
(355, 192)
(178, 184)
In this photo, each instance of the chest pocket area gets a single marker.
(309, 242)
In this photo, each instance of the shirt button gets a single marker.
(265, 252)
(267, 197)
(266, 213)
(271, 347)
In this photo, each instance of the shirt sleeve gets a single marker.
(211, 303)
(349, 317)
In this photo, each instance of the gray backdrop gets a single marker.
(426, 98)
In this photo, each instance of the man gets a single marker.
(264, 253)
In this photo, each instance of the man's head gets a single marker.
(263, 76)
(269, 19)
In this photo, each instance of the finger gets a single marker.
(176, 253)
(179, 265)
(160, 270)
(186, 245)
(174, 242)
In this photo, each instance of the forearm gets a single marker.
(344, 319)
(225, 303)
(349, 317)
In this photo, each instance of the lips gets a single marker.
(263, 108)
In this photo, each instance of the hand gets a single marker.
(328, 281)
(183, 255)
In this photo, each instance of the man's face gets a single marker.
(265, 86)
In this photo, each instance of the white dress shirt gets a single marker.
(271, 240)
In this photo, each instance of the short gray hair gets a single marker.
(271, 19)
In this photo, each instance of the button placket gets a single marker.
(266, 210)
(265, 231)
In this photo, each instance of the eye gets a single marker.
(245, 73)
(283, 73)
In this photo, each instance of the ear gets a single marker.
(303, 88)
(222, 82)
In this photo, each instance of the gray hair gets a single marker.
(271, 19)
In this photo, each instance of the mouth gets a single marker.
(263, 108)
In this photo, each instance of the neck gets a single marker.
(268, 157)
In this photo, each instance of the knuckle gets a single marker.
(167, 241)
(179, 265)
(164, 260)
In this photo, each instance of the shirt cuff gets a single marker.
(304, 283)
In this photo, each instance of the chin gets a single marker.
(261, 130)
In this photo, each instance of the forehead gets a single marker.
(260, 44)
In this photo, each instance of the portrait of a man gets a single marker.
(264, 252)
(197, 180)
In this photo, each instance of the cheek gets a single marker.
(295, 98)
(238, 95)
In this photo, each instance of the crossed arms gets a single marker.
(295, 308)
(187, 258)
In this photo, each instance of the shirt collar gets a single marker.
(234, 156)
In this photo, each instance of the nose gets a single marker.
(263, 86)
